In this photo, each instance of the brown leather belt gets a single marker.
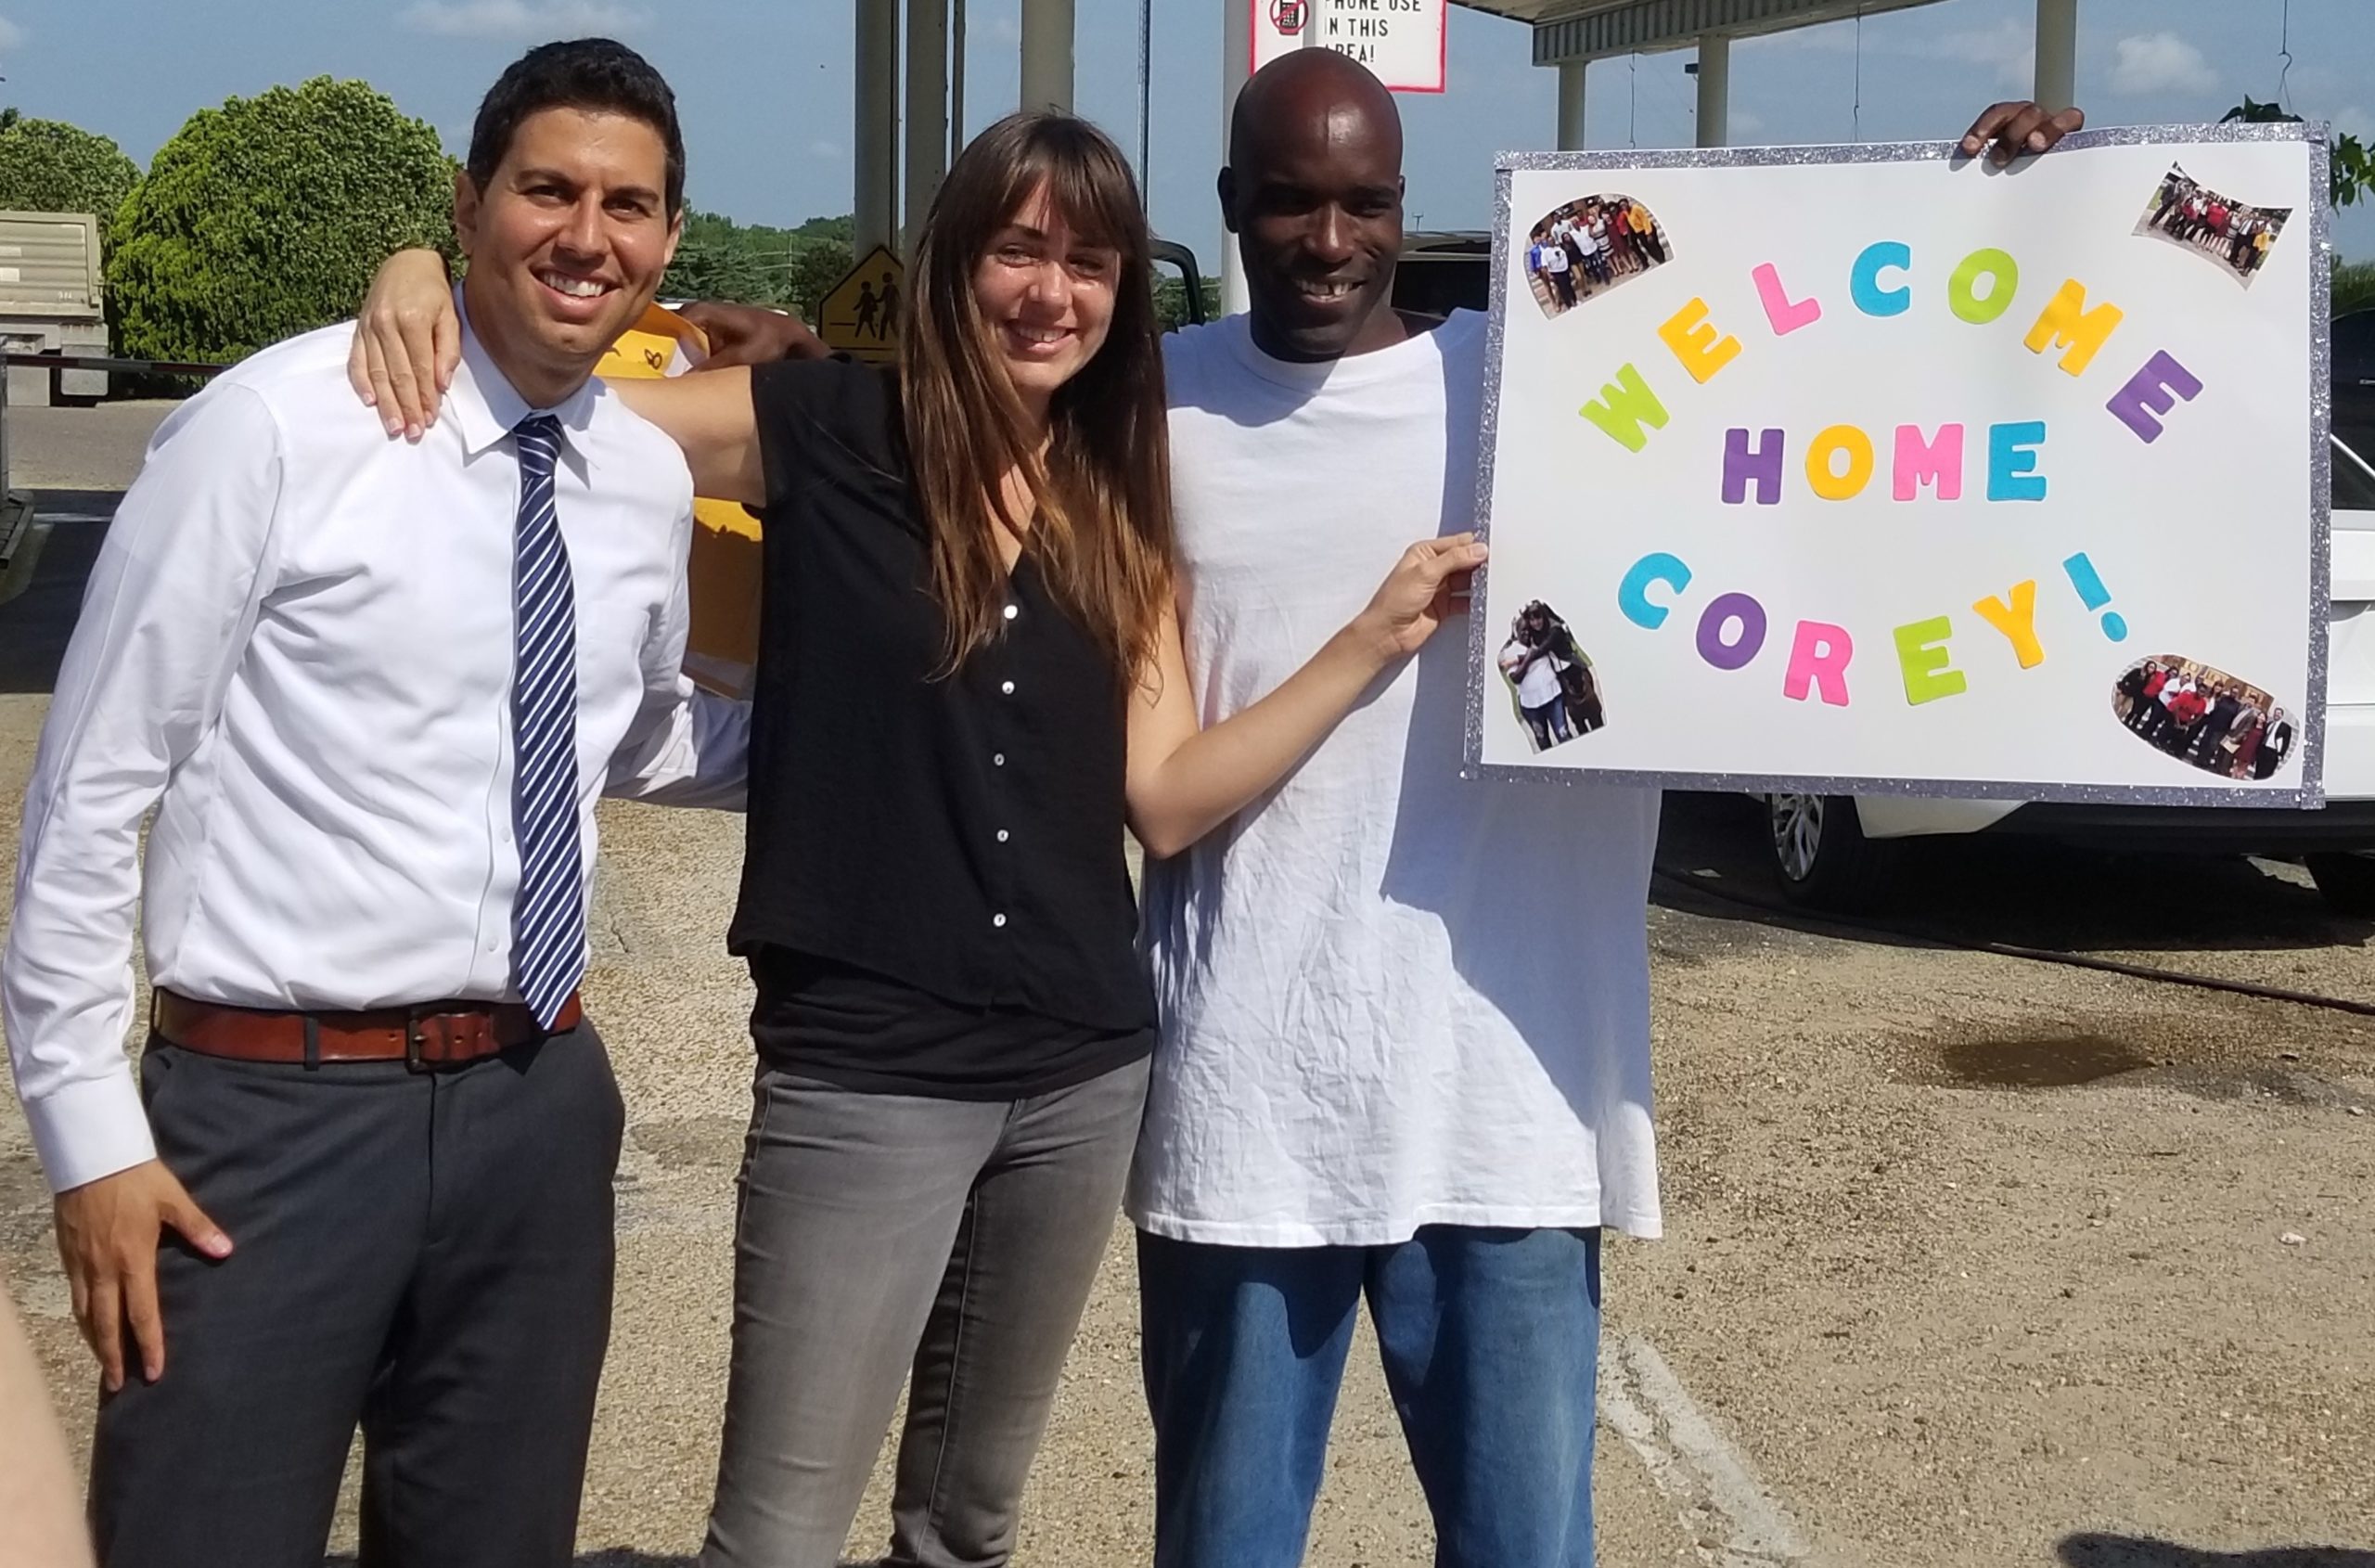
(433, 1034)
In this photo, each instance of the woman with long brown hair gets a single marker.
(969, 679)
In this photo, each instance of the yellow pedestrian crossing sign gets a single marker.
(860, 317)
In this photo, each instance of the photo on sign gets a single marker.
(1550, 678)
(2233, 235)
(1589, 246)
(2204, 717)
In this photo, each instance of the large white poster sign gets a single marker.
(1877, 468)
(1402, 43)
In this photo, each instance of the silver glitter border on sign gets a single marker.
(2311, 792)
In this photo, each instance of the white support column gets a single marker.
(1570, 105)
(1715, 90)
(1047, 55)
(874, 141)
(1236, 64)
(927, 113)
(2057, 78)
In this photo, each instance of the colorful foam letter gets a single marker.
(1787, 314)
(1633, 593)
(1937, 463)
(1820, 656)
(2067, 323)
(1824, 476)
(1626, 405)
(1926, 665)
(2146, 395)
(1695, 342)
(2012, 461)
(2018, 622)
(1721, 611)
(1962, 290)
(1864, 281)
(1745, 464)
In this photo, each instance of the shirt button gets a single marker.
(1011, 612)
(1003, 835)
(998, 921)
(998, 760)
(1007, 688)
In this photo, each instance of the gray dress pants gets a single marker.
(882, 1234)
(429, 1255)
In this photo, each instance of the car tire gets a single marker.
(2347, 881)
(1820, 855)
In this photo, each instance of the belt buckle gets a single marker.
(417, 1056)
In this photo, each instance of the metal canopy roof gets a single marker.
(1588, 30)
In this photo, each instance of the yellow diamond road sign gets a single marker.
(860, 317)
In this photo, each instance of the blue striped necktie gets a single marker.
(548, 919)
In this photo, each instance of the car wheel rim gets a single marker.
(1797, 835)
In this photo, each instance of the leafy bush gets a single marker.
(49, 166)
(266, 217)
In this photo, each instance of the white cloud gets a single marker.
(2161, 62)
(825, 150)
(2007, 47)
(1745, 122)
(2008, 50)
(523, 18)
(10, 33)
(2354, 121)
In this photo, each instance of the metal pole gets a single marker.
(926, 112)
(1047, 55)
(874, 141)
(1236, 64)
(956, 80)
(1145, 103)
(2057, 77)
(1715, 90)
(1570, 105)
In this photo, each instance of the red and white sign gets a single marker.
(1402, 41)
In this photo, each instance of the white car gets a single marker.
(1838, 852)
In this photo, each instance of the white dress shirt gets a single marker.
(297, 645)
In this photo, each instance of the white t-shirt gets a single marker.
(1538, 678)
(1390, 997)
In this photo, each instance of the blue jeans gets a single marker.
(1491, 1344)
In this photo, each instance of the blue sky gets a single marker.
(765, 84)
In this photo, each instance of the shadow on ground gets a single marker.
(617, 1557)
(1713, 852)
(39, 620)
(2142, 1551)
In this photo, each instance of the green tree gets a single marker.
(758, 265)
(2352, 167)
(49, 166)
(2354, 286)
(266, 217)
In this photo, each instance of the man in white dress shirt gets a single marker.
(372, 689)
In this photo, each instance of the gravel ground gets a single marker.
(1974, 1262)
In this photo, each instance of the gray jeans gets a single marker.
(884, 1233)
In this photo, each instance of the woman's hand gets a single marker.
(1426, 586)
(407, 341)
